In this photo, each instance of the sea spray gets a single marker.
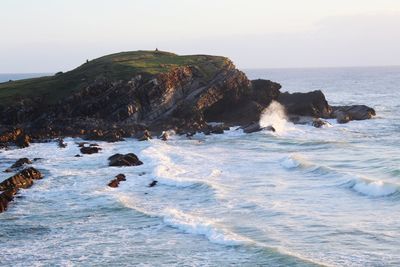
(274, 115)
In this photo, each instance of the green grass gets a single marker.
(120, 66)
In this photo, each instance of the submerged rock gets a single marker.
(90, 149)
(129, 159)
(251, 127)
(61, 143)
(153, 183)
(318, 123)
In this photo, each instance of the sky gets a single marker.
(58, 35)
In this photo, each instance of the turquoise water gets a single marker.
(298, 197)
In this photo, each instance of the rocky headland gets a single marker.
(132, 94)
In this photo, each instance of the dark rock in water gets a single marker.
(90, 150)
(129, 159)
(270, 128)
(141, 173)
(318, 123)
(78, 156)
(146, 136)
(252, 127)
(23, 179)
(19, 163)
(23, 141)
(8, 170)
(164, 136)
(311, 104)
(6, 197)
(61, 143)
(344, 114)
(121, 177)
(114, 183)
(36, 159)
(153, 183)
(190, 134)
(93, 145)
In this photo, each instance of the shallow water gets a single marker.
(298, 197)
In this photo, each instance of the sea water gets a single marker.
(300, 196)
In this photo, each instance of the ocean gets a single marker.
(301, 196)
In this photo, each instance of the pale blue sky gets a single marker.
(53, 35)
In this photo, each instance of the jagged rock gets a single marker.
(90, 149)
(19, 163)
(78, 156)
(311, 104)
(129, 159)
(23, 179)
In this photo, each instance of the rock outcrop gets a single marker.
(129, 159)
(10, 186)
(117, 101)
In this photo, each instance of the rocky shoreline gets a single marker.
(184, 99)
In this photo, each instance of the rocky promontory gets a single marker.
(125, 94)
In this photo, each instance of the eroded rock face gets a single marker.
(129, 159)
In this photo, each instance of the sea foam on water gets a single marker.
(274, 115)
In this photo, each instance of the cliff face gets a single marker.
(184, 97)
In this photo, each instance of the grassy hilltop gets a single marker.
(120, 66)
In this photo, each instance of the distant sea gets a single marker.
(301, 196)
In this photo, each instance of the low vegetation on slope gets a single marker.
(120, 66)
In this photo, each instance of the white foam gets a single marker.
(294, 161)
(274, 115)
(188, 223)
(201, 226)
(374, 188)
